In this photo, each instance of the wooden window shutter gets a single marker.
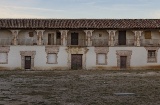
(147, 34)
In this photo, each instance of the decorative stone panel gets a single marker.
(127, 53)
(52, 50)
(137, 35)
(77, 50)
(152, 60)
(112, 34)
(88, 37)
(101, 50)
(5, 50)
(64, 37)
(27, 53)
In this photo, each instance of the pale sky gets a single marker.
(112, 9)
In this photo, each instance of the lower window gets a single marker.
(3, 58)
(52, 58)
(101, 59)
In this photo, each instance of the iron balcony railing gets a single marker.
(99, 42)
(129, 42)
(150, 42)
(51, 42)
(27, 41)
(5, 41)
(76, 42)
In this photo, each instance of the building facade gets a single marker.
(89, 44)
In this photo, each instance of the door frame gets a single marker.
(77, 50)
(127, 53)
(27, 53)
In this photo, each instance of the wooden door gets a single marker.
(27, 62)
(74, 38)
(50, 39)
(76, 61)
(123, 61)
(58, 38)
(122, 38)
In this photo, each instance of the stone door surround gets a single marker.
(27, 53)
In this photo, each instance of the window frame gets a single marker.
(6, 59)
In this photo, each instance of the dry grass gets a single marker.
(79, 87)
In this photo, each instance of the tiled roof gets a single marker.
(80, 23)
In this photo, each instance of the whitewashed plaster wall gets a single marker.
(138, 58)
(14, 58)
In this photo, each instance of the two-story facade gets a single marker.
(50, 44)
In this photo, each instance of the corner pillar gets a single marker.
(88, 37)
(112, 34)
(64, 37)
(137, 35)
(39, 36)
(15, 35)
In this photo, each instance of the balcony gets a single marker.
(128, 42)
(150, 42)
(76, 42)
(5, 41)
(27, 41)
(100, 42)
(52, 42)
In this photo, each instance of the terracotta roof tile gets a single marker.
(80, 23)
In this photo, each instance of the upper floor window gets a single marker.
(31, 34)
(147, 35)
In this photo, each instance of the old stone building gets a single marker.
(50, 44)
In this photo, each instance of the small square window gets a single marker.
(147, 34)
(100, 35)
(31, 34)
(101, 58)
(3, 58)
(52, 58)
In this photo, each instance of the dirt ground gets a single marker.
(80, 87)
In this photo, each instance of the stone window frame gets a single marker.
(52, 50)
(27, 53)
(151, 60)
(126, 53)
(101, 50)
(5, 50)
